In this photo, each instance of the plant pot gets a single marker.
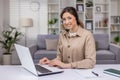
(6, 59)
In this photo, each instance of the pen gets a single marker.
(95, 73)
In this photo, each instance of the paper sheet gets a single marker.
(86, 74)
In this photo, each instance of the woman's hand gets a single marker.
(44, 61)
(58, 63)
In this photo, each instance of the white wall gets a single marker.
(4, 14)
(19, 9)
(24, 9)
(43, 17)
(4, 19)
(1, 15)
(1, 24)
(66, 3)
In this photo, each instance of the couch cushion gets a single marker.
(51, 44)
(105, 55)
(41, 40)
(102, 41)
(44, 53)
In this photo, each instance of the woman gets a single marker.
(76, 47)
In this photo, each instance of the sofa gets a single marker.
(106, 52)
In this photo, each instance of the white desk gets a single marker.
(19, 73)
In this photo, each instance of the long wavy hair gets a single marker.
(73, 12)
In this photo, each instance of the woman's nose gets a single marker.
(67, 21)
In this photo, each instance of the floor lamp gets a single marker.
(26, 22)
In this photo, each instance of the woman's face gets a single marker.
(69, 21)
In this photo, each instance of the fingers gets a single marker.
(53, 63)
(56, 63)
(44, 61)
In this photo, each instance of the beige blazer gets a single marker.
(78, 50)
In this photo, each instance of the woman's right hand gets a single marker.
(44, 61)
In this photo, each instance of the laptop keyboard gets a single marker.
(42, 69)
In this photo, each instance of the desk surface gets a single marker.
(18, 73)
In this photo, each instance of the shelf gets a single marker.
(101, 4)
(80, 12)
(115, 15)
(89, 7)
(115, 31)
(101, 16)
(101, 27)
(53, 3)
(115, 24)
(89, 19)
(53, 12)
(103, 12)
(53, 28)
(79, 2)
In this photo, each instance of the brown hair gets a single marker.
(73, 12)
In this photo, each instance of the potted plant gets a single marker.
(117, 40)
(9, 37)
(89, 4)
(52, 23)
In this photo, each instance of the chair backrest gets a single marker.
(102, 41)
(41, 40)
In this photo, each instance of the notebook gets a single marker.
(27, 63)
(112, 71)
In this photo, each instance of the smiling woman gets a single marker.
(76, 46)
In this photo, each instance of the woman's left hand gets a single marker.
(58, 63)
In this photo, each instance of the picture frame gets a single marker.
(80, 7)
(98, 8)
(88, 16)
(112, 27)
(89, 25)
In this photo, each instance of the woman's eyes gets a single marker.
(68, 18)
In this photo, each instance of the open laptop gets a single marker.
(27, 62)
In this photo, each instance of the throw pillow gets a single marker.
(51, 44)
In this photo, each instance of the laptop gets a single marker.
(27, 63)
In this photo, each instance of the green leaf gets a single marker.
(9, 37)
(52, 21)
